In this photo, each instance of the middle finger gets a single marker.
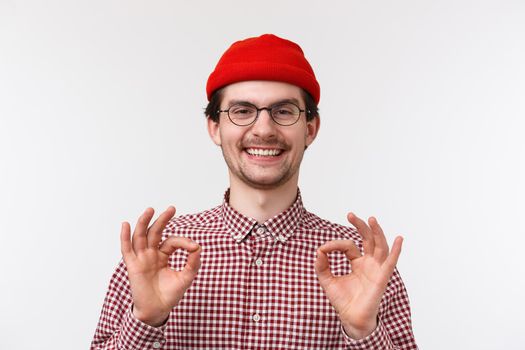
(381, 245)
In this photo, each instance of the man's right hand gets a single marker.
(155, 287)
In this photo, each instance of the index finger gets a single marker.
(170, 245)
(345, 246)
(173, 243)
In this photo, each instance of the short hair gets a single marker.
(212, 109)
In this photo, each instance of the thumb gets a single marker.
(322, 267)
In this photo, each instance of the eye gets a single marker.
(285, 110)
(241, 110)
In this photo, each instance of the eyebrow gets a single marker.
(286, 100)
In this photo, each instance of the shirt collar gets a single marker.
(282, 226)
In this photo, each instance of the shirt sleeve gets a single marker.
(394, 329)
(117, 326)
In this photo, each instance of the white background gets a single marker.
(422, 113)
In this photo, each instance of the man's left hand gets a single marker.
(356, 296)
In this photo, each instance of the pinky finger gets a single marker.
(395, 252)
(125, 241)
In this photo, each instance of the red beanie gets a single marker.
(266, 57)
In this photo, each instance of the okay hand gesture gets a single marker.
(356, 296)
(156, 288)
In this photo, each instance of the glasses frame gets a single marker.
(268, 109)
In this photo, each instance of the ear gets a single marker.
(214, 131)
(312, 128)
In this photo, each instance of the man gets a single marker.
(258, 271)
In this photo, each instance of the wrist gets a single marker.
(153, 320)
(361, 332)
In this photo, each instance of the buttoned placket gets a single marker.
(260, 243)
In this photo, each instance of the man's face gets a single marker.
(263, 155)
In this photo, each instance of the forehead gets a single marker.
(261, 92)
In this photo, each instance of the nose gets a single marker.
(264, 126)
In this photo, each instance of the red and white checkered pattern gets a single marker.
(256, 289)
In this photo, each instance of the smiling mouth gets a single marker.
(264, 152)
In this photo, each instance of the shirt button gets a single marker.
(261, 230)
(256, 317)
(156, 345)
(258, 262)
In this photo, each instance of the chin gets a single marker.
(265, 183)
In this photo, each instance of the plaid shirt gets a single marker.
(256, 289)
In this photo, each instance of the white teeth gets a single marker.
(263, 152)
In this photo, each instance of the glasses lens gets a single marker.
(242, 114)
(285, 113)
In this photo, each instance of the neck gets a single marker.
(261, 204)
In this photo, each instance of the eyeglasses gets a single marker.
(244, 113)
